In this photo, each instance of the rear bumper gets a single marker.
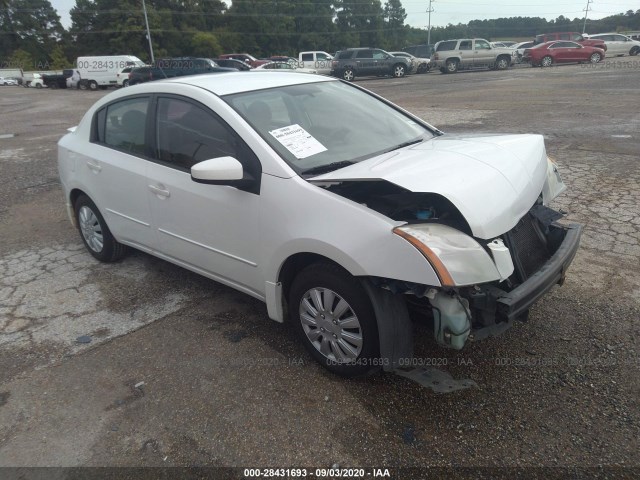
(511, 305)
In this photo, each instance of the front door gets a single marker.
(213, 229)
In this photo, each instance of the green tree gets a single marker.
(58, 60)
(204, 44)
(22, 59)
(394, 31)
(29, 25)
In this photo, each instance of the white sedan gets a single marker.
(8, 81)
(333, 206)
(284, 67)
(420, 65)
(617, 44)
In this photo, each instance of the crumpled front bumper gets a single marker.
(511, 305)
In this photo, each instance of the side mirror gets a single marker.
(217, 170)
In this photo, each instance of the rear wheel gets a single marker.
(634, 51)
(595, 57)
(93, 85)
(38, 85)
(95, 233)
(334, 319)
(546, 61)
(82, 85)
(452, 66)
(125, 83)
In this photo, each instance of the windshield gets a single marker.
(317, 124)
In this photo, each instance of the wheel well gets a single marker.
(452, 59)
(73, 196)
(505, 56)
(295, 264)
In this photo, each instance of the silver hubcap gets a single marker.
(502, 64)
(91, 229)
(452, 67)
(546, 61)
(595, 58)
(348, 75)
(399, 71)
(331, 325)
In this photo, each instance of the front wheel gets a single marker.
(398, 70)
(634, 51)
(502, 63)
(93, 85)
(38, 85)
(595, 58)
(348, 74)
(125, 83)
(333, 317)
(95, 233)
(546, 61)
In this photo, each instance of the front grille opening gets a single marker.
(528, 247)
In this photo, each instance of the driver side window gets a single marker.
(187, 134)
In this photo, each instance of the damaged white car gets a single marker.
(335, 207)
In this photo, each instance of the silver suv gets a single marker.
(453, 55)
(362, 62)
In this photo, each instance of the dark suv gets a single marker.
(175, 67)
(362, 62)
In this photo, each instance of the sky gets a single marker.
(462, 11)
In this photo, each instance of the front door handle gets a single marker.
(160, 191)
(94, 167)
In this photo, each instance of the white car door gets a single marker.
(212, 229)
(118, 156)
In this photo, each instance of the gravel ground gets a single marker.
(224, 386)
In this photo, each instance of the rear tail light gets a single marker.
(435, 56)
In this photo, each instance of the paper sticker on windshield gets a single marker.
(298, 141)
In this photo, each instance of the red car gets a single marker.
(546, 54)
(572, 37)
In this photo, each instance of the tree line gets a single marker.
(32, 37)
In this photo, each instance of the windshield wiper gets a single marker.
(405, 144)
(327, 168)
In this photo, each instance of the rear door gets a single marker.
(119, 155)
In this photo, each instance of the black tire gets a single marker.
(398, 70)
(125, 83)
(93, 85)
(348, 74)
(546, 61)
(325, 276)
(452, 66)
(82, 85)
(502, 63)
(38, 85)
(111, 250)
(634, 51)
(443, 70)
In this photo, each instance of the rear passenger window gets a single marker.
(307, 57)
(364, 54)
(465, 45)
(122, 125)
(446, 46)
(187, 134)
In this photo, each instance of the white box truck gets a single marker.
(103, 71)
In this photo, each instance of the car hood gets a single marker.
(493, 180)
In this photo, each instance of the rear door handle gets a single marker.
(94, 167)
(160, 191)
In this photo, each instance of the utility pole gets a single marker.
(586, 12)
(429, 11)
(146, 21)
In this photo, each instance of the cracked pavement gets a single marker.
(223, 385)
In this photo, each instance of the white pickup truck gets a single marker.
(316, 60)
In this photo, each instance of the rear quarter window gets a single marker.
(446, 46)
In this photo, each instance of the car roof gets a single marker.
(239, 82)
